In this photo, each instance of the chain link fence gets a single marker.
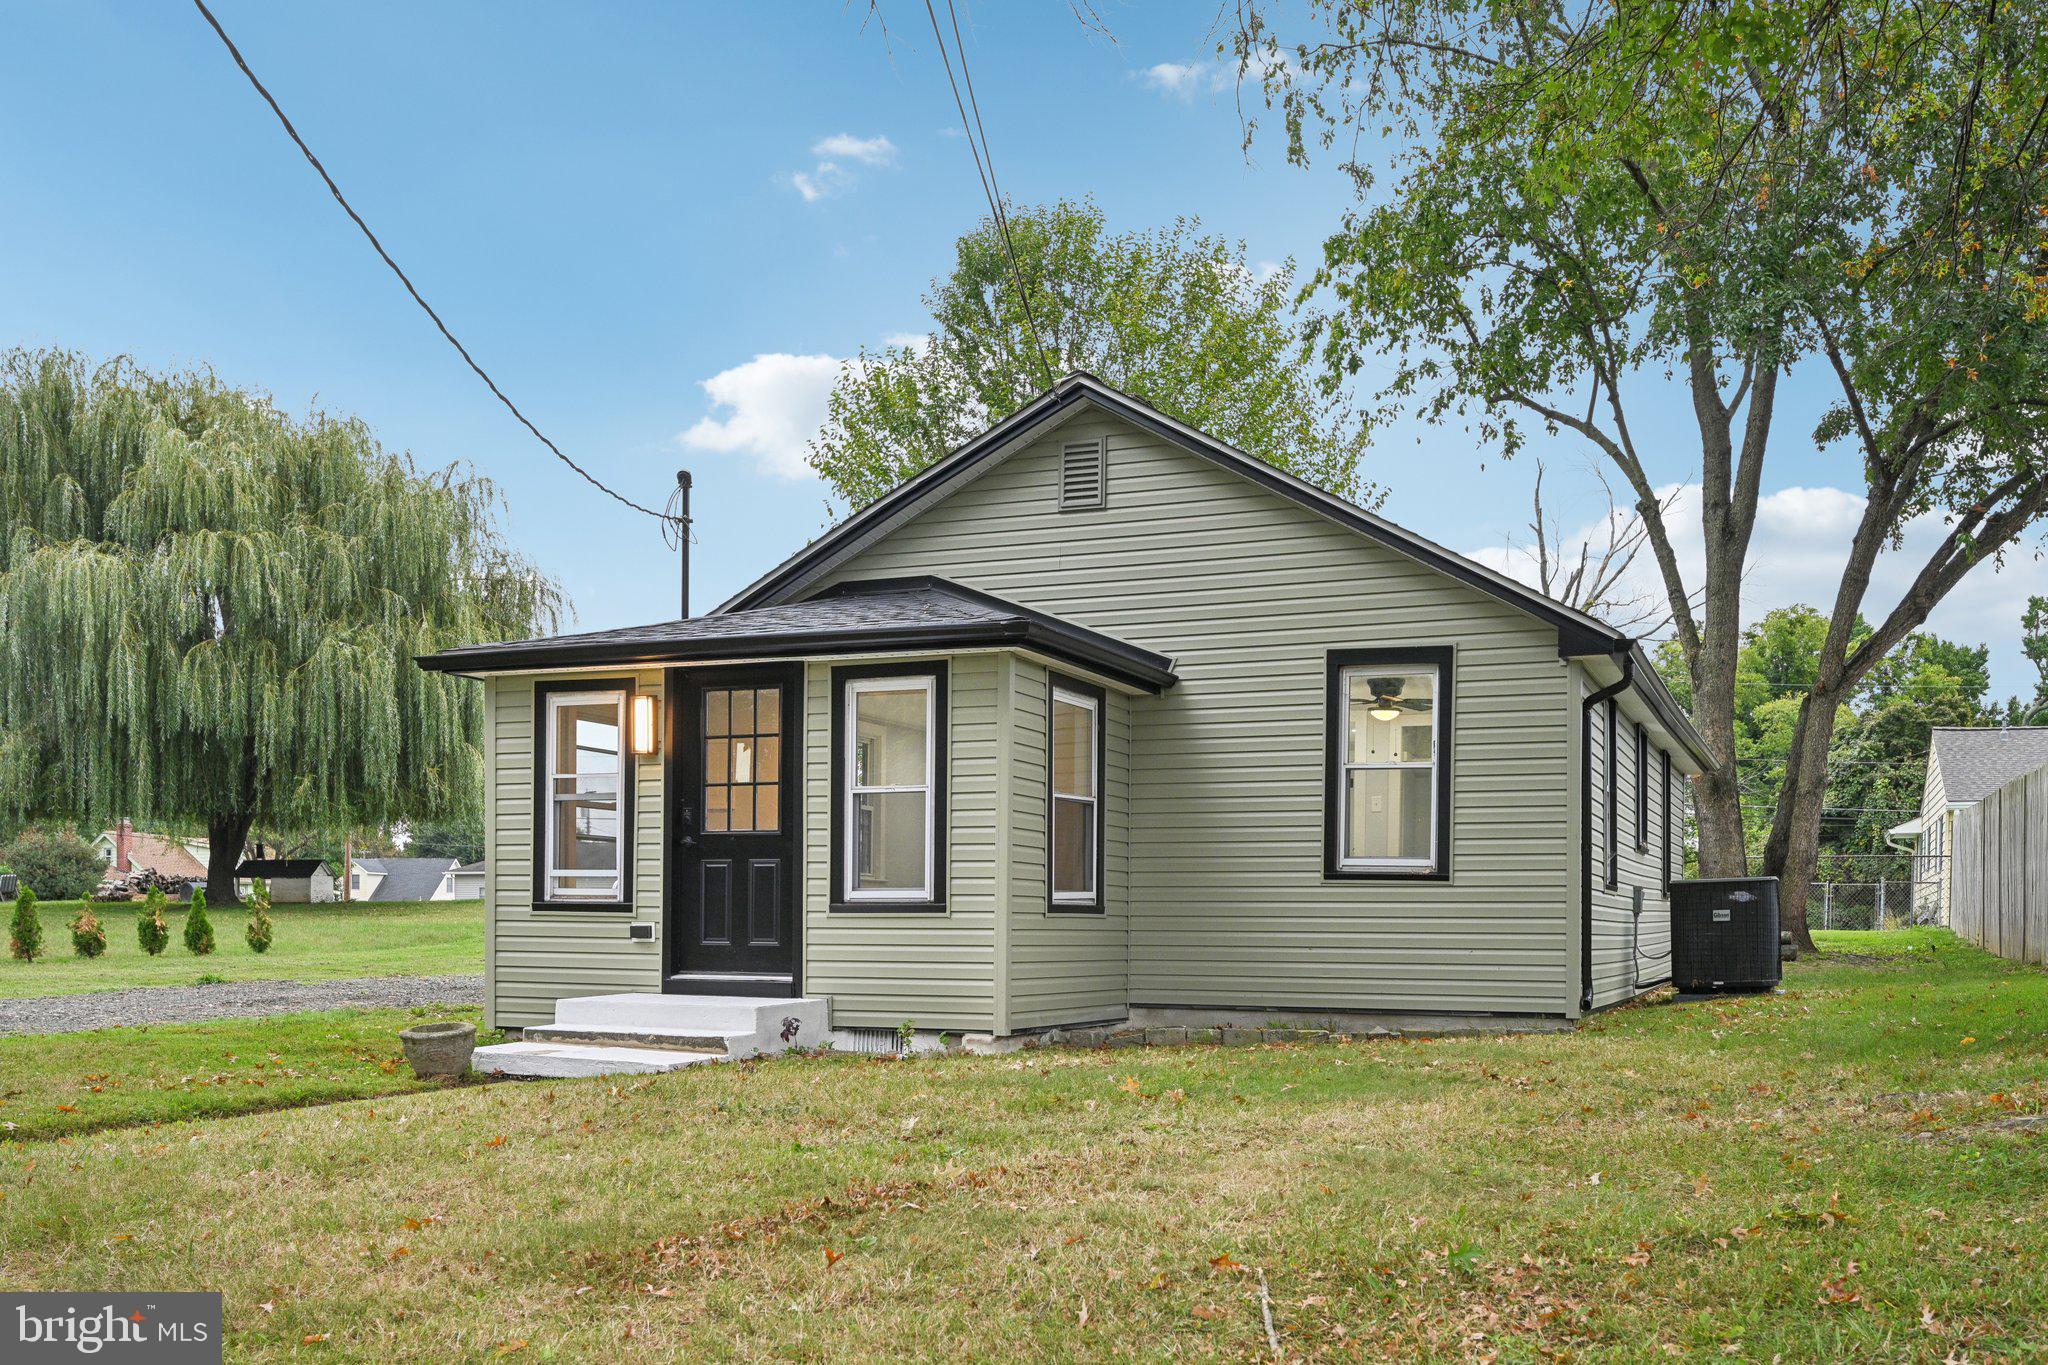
(1882, 904)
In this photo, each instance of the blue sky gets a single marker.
(657, 227)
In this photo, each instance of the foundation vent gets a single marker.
(1084, 475)
(871, 1042)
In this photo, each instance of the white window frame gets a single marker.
(909, 682)
(553, 890)
(1346, 767)
(1093, 896)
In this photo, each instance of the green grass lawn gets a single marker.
(61, 1084)
(1815, 1175)
(313, 942)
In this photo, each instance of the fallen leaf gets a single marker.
(1226, 1262)
(833, 1258)
(1206, 1313)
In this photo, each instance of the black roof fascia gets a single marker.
(1140, 672)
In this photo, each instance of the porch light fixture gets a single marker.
(646, 737)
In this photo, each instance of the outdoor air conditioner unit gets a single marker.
(1724, 934)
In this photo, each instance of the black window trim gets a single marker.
(1612, 763)
(1664, 826)
(1443, 658)
(942, 701)
(1060, 682)
(1642, 788)
(543, 810)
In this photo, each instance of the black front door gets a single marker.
(734, 868)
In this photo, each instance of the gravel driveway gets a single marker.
(229, 1000)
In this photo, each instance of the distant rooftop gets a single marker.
(1976, 762)
(406, 879)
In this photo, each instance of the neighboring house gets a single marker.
(401, 879)
(467, 882)
(292, 881)
(1964, 765)
(1096, 718)
(126, 849)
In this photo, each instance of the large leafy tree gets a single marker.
(1174, 317)
(1878, 753)
(1570, 214)
(209, 610)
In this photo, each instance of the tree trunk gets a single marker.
(225, 835)
(1718, 807)
(1792, 854)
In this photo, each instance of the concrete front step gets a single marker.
(570, 1059)
(609, 1035)
(746, 1025)
(725, 1045)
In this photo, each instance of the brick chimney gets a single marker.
(121, 833)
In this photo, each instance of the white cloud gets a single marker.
(768, 408)
(868, 151)
(832, 175)
(1796, 555)
(1184, 80)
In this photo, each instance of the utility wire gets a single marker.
(335, 190)
(984, 167)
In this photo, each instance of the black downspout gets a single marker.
(1620, 685)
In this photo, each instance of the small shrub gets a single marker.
(25, 934)
(58, 863)
(259, 918)
(198, 928)
(150, 930)
(88, 935)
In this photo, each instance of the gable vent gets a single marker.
(1084, 475)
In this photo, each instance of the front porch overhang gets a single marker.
(895, 615)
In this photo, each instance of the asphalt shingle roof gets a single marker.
(291, 868)
(1977, 762)
(911, 613)
(406, 879)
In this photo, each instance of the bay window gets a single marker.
(1387, 787)
(1075, 793)
(888, 778)
(585, 794)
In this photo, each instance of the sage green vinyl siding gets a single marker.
(1628, 958)
(938, 970)
(1065, 967)
(1248, 592)
(535, 957)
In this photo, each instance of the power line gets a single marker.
(405, 280)
(985, 168)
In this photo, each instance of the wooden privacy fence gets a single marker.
(1999, 895)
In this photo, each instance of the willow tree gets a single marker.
(209, 610)
(1573, 215)
(1175, 317)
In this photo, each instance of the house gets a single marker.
(1965, 764)
(125, 849)
(1096, 719)
(466, 882)
(401, 879)
(292, 881)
